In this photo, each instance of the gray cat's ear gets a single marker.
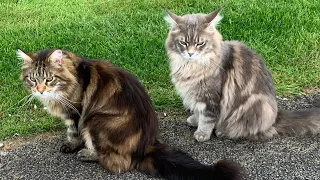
(172, 19)
(23, 57)
(56, 58)
(214, 18)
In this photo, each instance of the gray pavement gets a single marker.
(279, 158)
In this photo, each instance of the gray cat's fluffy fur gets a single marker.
(226, 85)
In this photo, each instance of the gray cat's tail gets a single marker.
(299, 122)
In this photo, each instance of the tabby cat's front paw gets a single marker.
(201, 136)
(68, 147)
(87, 155)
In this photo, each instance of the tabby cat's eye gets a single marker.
(183, 43)
(32, 79)
(200, 43)
(49, 79)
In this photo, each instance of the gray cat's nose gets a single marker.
(190, 54)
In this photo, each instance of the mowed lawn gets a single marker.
(131, 34)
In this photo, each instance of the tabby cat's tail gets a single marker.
(299, 122)
(174, 164)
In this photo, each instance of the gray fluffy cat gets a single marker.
(226, 85)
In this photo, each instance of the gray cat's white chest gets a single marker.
(190, 79)
(188, 91)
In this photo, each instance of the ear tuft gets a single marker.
(56, 57)
(214, 18)
(19, 54)
(171, 18)
(169, 21)
(23, 56)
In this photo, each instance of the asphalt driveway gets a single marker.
(280, 158)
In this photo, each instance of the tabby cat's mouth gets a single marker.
(44, 95)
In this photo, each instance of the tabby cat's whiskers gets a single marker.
(61, 96)
(29, 99)
(66, 103)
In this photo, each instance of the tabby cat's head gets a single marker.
(44, 73)
(193, 35)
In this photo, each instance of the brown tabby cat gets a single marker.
(107, 109)
(226, 85)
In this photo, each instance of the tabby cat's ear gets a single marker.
(24, 57)
(56, 58)
(172, 19)
(213, 18)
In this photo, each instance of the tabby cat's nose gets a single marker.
(41, 89)
(190, 54)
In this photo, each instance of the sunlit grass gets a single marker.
(131, 34)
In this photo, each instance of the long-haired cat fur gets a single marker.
(226, 85)
(109, 116)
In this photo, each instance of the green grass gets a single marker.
(131, 34)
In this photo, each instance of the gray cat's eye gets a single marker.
(200, 43)
(183, 43)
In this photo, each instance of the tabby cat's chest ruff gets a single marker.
(58, 110)
(54, 108)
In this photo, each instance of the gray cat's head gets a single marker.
(193, 36)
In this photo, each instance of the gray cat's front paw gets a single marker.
(192, 121)
(201, 136)
(219, 134)
(87, 155)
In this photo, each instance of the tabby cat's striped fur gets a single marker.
(108, 111)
